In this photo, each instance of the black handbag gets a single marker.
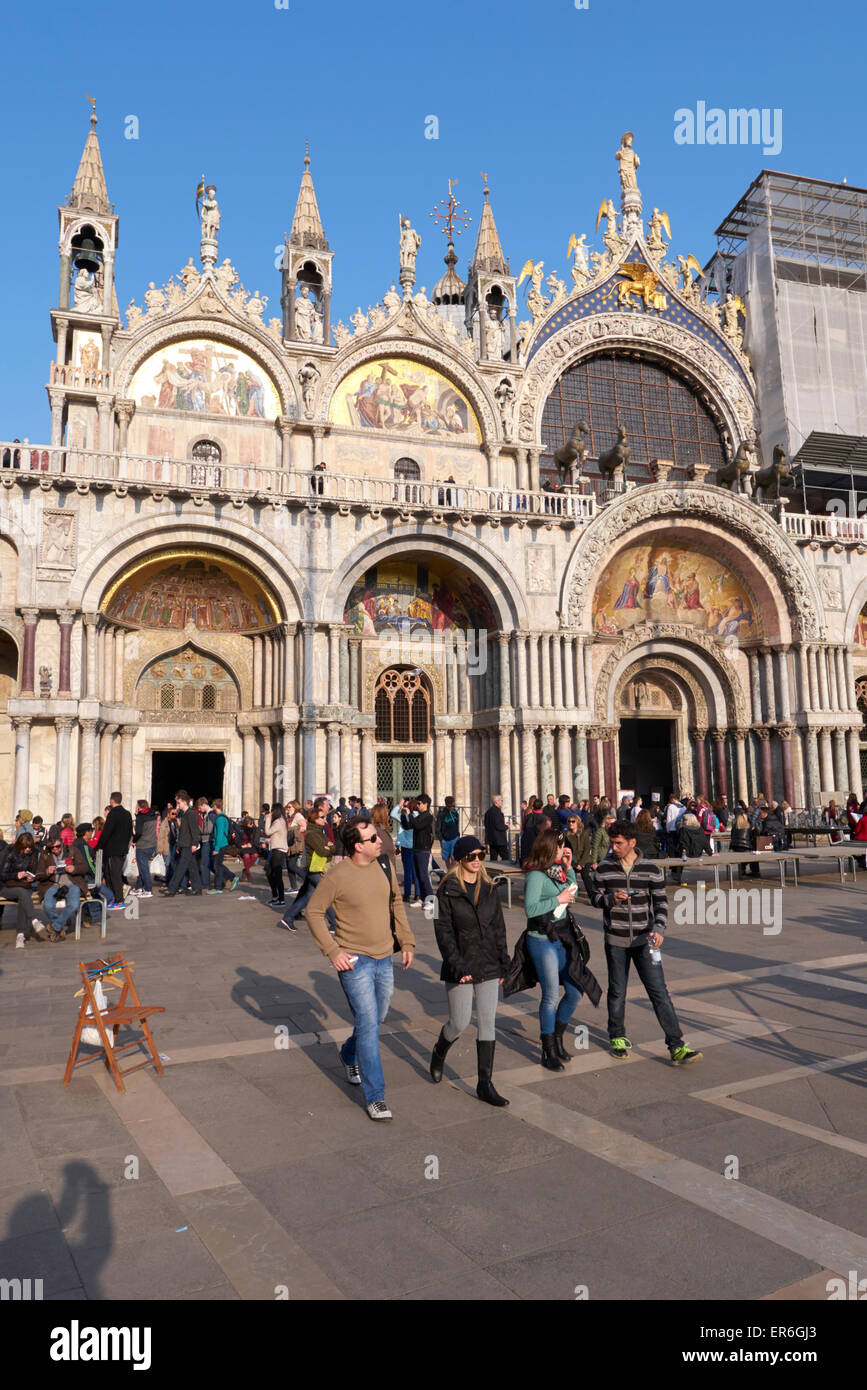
(583, 943)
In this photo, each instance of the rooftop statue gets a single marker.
(628, 162)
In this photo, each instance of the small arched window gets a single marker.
(406, 477)
(205, 470)
(209, 697)
(402, 707)
(167, 697)
(407, 469)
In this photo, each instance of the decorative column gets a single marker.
(609, 755)
(740, 741)
(505, 672)
(833, 696)
(334, 666)
(347, 761)
(332, 764)
(287, 636)
(248, 781)
(592, 763)
(546, 654)
(285, 425)
(61, 759)
(459, 753)
(257, 675)
(289, 776)
(784, 733)
(841, 775)
(119, 663)
(528, 763)
(533, 472)
(268, 684)
(812, 776)
(521, 468)
(849, 671)
(268, 785)
(88, 770)
(844, 693)
(521, 641)
(565, 778)
(764, 737)
(755, 687)
(825, 763)
(768, 657)
(569, 673)
(105, 427)
(557, 670)
(91, 690)
(127, 734)
(106, 768)
(699, 736)
(546, 762)
(785, 712)
(719, 749)
(853, 744)
(584, 691)
(822, 665)
(21, 729)
(65, 618)
(354, 668)
(533, 656)
(505, 761)
(345, 696)
(368, 768)
(28, 654)
(581, 774)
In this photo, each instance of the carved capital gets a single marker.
(30, 616)
(124, 409)
(66, 616)
(64, 724)
(89, 727)
(22, 721)
(762, 733)
(785, 731)
(128, 732)
(719, 735)
(91, 619)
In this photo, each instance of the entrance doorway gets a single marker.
(200, 774)
(646, 757)
(399, 775)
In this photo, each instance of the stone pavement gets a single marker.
(250, 1170)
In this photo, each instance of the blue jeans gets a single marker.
(551, 962)
(408, 873)
(368, 987)
(308, 888)
(143, 858)
(619, 959)
(58, 917)
(219, 871)
(205, 863)
(448, 848)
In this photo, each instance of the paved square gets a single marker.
(251, 1169)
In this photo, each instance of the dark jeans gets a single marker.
(275, 874)
(143, 858)
(205, 863)
(219, 869)
(308, 888)
(114, 874)
(294, 870)
(618, 960)
(496, 852)
(185, 864)
(406, 857)
(26, 911)
(421, 862)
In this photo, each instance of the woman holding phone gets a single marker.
(549, 953)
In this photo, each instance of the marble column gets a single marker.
(699, 736)
(65, 618)
(721, 763)
(106, 768)
(569, 645)
(825, 762)
(585, 692)
(813, 666)
(119, 663)
(21, 729)
(355, 696)
(289, 696)
(268, 783)
(533, 657)
(844, 694)
(546, 762)
(849, 671)
(368, 768)
(459, 753)
(592, 764)
(28, 652)
(347, 762)
(91, 688)
(833, 695)
(62, 768)
(505, 671)
(740, 741)
(521, 645)
(557, 671)
(88, 771)
(755, 687)
(812, 775)
(565, 778)
(764, 737)
(127, 735)
(822, 664)
(268, 673)
(804, 679)
(248, 780)
(770, 695)
(345, 697)
(285, 424)
(785, 704)
(582, 767)
(505, 770)
(533, 473)
(609, 753)
(334, 667)
(841, 774)
(529, 783)
(545, 642)
(853, 745)
(785, 736)
(332, 765)
(289, 783)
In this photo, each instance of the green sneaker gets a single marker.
(682, 1056)
(619, 1047)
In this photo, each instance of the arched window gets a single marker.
(209, 697)
(406, 474)
(167, 697)
(402, 706)
(407, 469)
(204, 471)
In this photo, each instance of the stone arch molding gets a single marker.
(744, 520)
(859, 598)
(710, 372)
(98, 569)
(692, 648)
(668, 666)
(143, 347)
(190, 637)
(474, 390)
(402, 543)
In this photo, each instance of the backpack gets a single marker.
(449, 824)
(385, 864)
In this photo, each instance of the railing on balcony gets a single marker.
(806, 526)
(221, 479)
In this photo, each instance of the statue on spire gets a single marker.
(210, 224)
(410, 241)
(630, 195)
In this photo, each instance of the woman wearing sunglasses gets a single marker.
(471, 935)
(550, 952)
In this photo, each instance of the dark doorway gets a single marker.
(200, 774)
(645, 757)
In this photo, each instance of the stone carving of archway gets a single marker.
(745, 520)
(736, 707)
(645, 667)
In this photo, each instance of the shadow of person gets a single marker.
(85, 1200)
(268, 998)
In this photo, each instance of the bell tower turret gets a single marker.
(306, 297)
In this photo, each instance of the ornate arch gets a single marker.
(709, 661)
(476, 557)
(144, 345)
(98, 569)
(672, 667)
(745, 520)
(87, 219)
(732, 402)
(185, 640)
(26, 547)
(473, 388)
(853, 612)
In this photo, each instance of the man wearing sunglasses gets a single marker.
(371, 926)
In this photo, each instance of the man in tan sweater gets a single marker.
(363, 899)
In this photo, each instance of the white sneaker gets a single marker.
(19, 941)
(418, 903)
(353, 1075)
(378, 1110)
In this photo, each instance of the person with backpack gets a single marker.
(220, 843)
(448, 830)
(370, 925)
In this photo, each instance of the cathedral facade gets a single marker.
(453, 546)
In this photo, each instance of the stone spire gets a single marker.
(488, 255)
(89, 193)
(307, 224)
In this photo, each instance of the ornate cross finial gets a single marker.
(92, 101)
(486, 190)
(450, 216)
(306, 154)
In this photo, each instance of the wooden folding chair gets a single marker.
(121, 1015)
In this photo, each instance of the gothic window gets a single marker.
(167, 697)
(407, 469)
(662, 414)
(861, 696)
(207, 451)
(204, 471)
(406, 473)
(200, 683)
(402, 706)
(209, 697)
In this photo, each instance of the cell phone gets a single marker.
(353, 959)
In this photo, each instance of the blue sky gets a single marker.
(536, 94)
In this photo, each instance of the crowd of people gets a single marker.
(354, 872)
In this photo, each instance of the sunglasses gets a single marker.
(371, 839)
(561, 839)
(476, 854)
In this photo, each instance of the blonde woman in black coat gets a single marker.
(471, 935)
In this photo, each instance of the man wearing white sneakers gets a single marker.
(371, 926)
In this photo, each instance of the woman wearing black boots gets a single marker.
(471, 935)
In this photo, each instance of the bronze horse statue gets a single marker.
(616, 458)
(736, 474)
(572, 455)
(770, 480)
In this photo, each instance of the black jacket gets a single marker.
(522, 972)
(471, 937)
(189, 833)
(422, 827)
(534, 823)
(647, 844)
(741, 841)
(116, 833)
(691, 839)
(495, 827)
